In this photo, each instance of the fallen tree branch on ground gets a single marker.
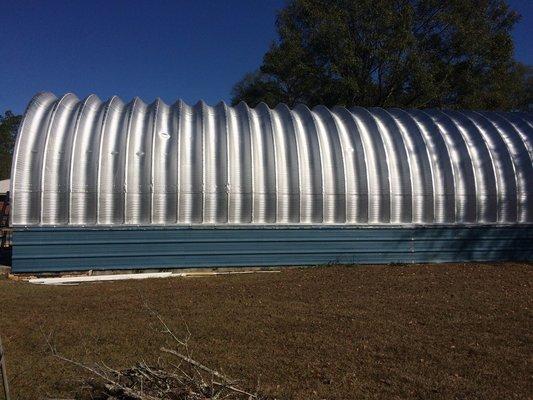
(187, 380)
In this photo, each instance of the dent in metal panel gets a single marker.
(109, 163)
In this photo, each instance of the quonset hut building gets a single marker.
(109, 185)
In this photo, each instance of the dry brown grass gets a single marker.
(427, 332)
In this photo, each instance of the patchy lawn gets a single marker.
(425, 331)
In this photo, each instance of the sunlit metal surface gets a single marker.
(90, 163)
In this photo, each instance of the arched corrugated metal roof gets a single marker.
(109, 163)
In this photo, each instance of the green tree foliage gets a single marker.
(527, 96)
(8, 131)
(405, 53)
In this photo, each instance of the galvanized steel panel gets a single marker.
(94, 163)
(63, 249)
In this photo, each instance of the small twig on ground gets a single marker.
(98, 372)
(196, 364)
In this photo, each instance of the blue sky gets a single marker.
(172, 49)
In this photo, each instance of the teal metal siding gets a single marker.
(68, 249)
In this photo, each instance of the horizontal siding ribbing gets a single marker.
(63, 249)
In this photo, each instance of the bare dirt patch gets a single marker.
(425, 331)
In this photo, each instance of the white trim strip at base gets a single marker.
(74, 280)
